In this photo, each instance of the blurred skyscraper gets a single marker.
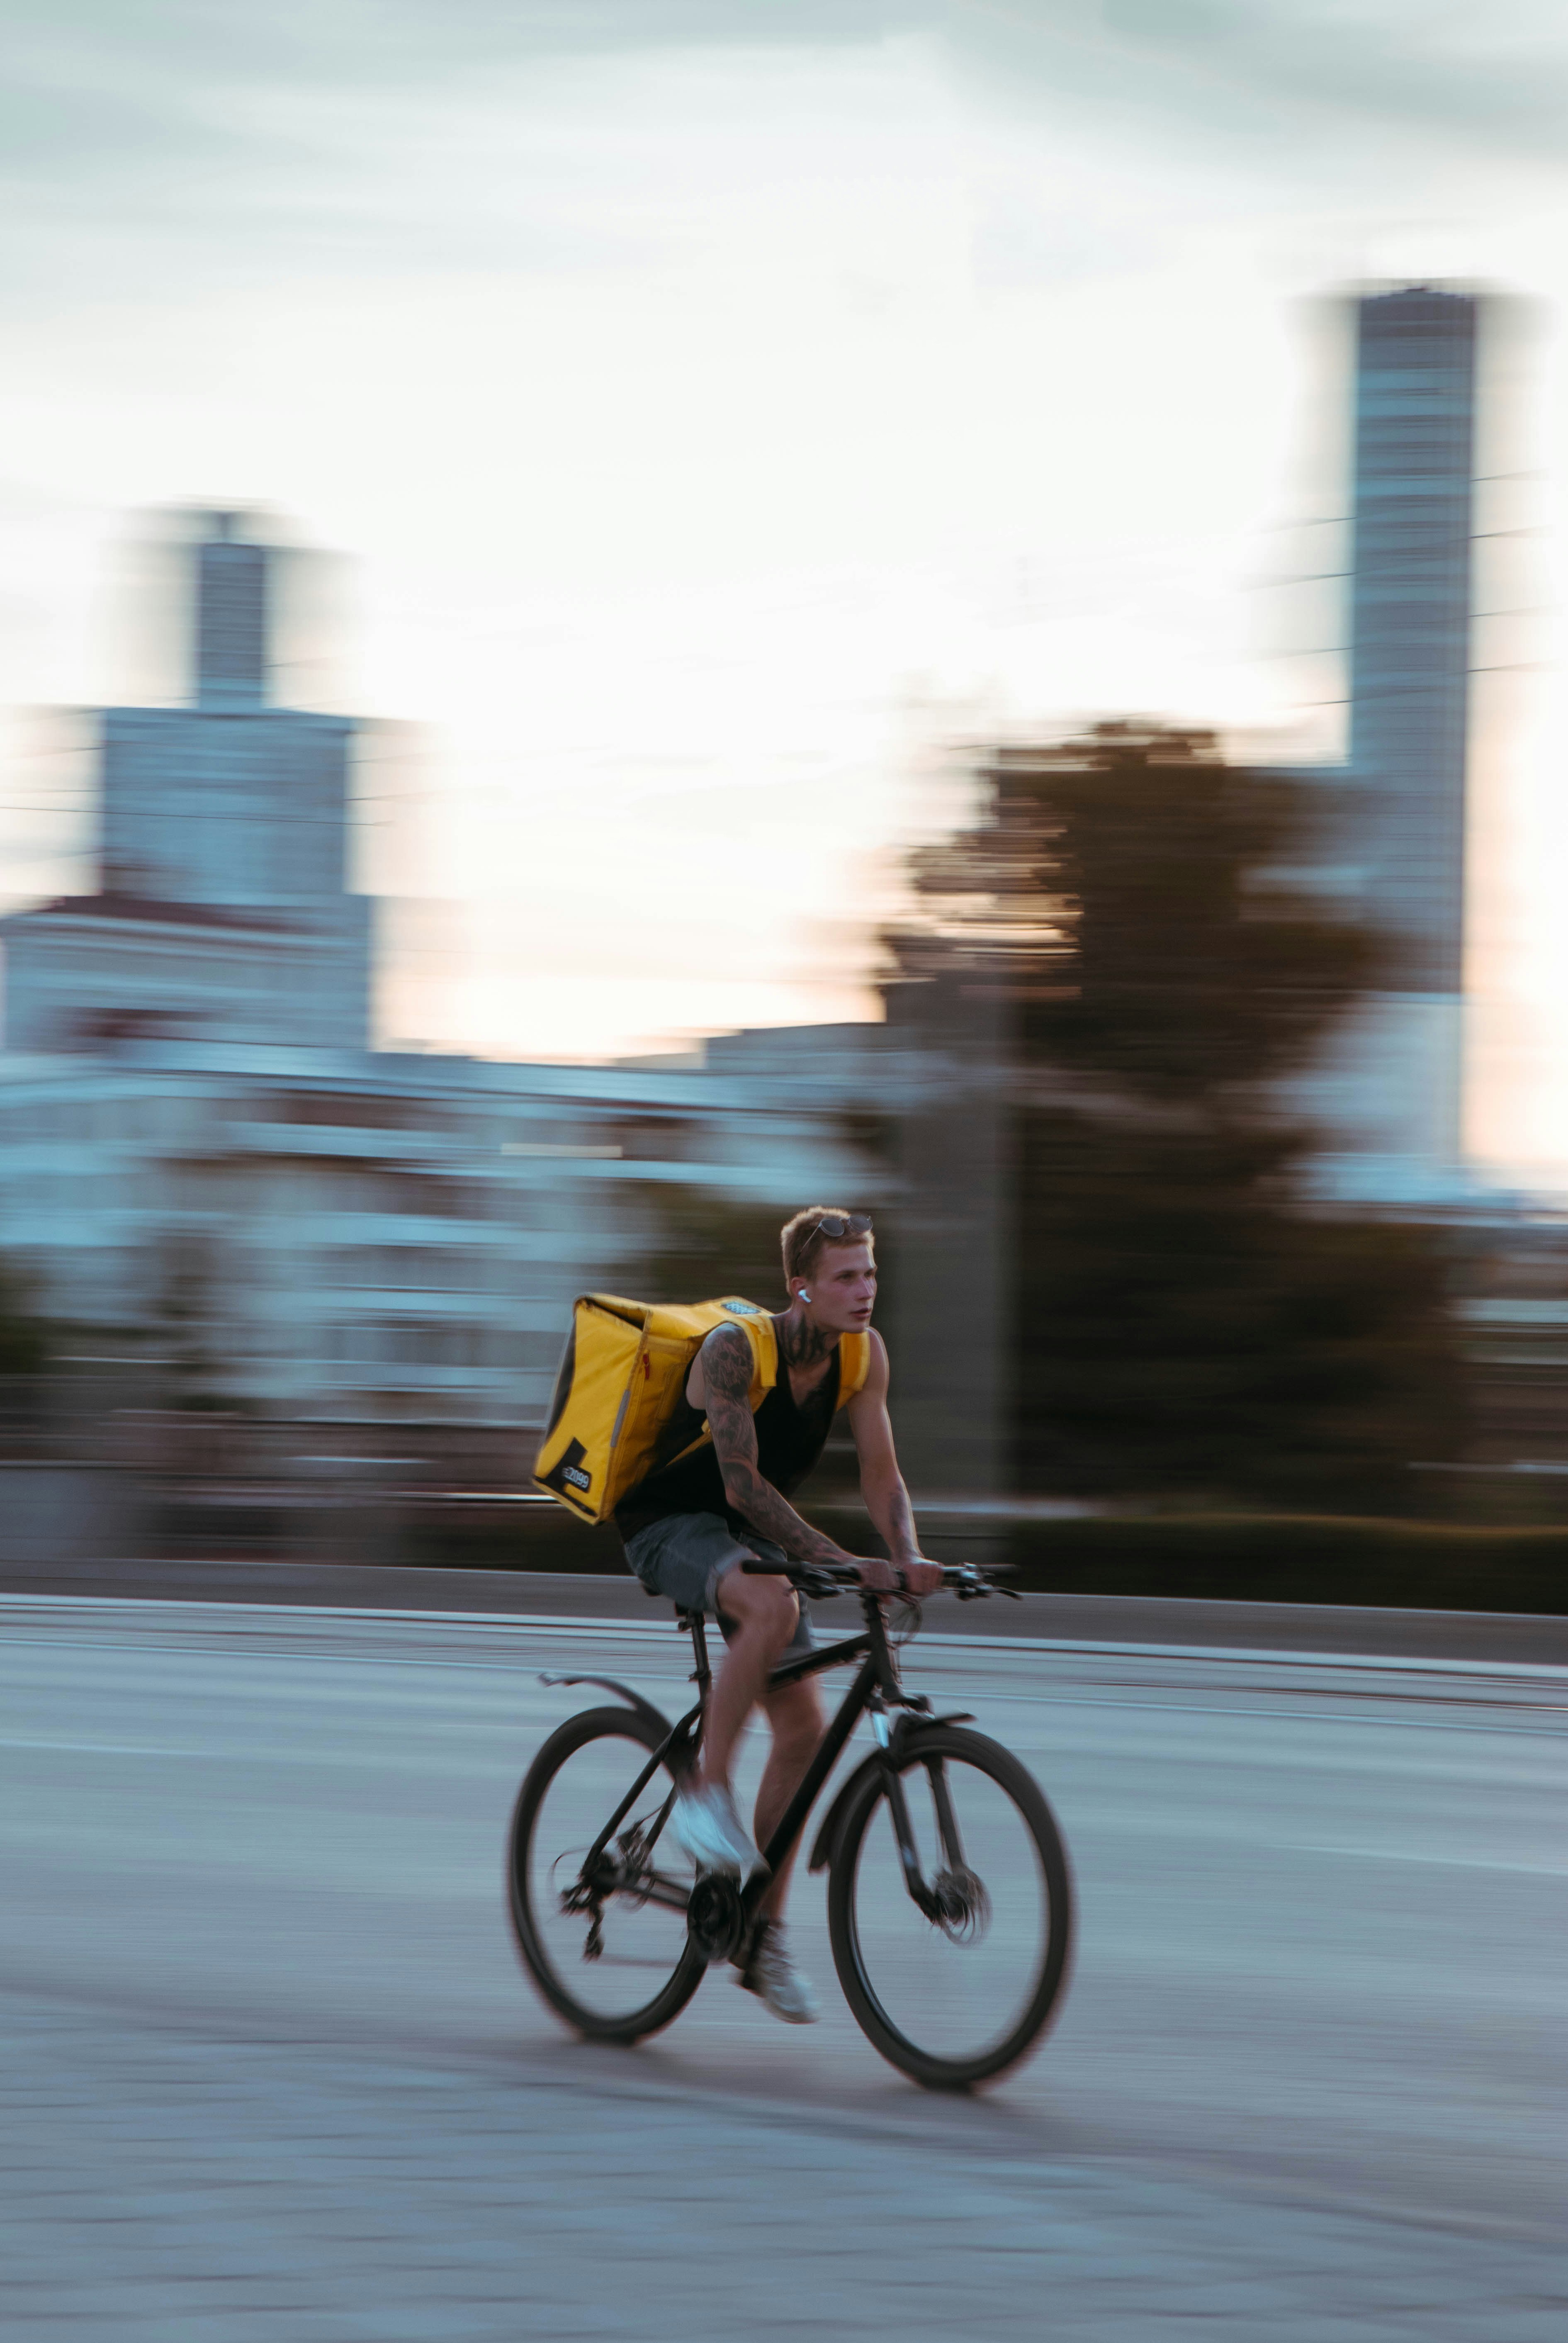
(1394, 1095)
(221, 912)
(1410, 641)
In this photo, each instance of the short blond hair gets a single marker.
(801, 1239)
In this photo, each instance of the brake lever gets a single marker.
(973, 1590)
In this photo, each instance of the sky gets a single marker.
(723, 418)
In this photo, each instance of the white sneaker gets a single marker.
(776, 1981)
(708, 1828)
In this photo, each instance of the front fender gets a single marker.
(906, 1730)
(644, 1708)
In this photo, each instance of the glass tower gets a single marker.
(1393, 1088)
(1410, 612)
(232, 612)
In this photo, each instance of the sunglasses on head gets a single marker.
(841, 1224)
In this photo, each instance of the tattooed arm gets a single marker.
(726, 1360)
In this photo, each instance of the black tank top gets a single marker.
(789, 1439)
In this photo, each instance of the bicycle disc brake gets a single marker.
(714, 1917)
(963, 1907)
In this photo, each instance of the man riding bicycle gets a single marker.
(688, 1527)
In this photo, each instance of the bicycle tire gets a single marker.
(532, 1938)
(931, 2069)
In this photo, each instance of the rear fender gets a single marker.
(905, 1738)
(644, 1708)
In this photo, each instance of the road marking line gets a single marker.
(1447, 1862)
(106, 1748)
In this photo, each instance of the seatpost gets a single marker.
(701, 1674)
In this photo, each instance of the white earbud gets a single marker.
(803, 1295)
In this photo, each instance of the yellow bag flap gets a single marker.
(616, 1306)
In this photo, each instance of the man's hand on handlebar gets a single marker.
(916, 1578)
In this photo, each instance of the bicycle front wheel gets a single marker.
(602, 1933)
(956, 2000)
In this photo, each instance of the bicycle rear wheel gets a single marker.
(956, 2000)
(604, 1940)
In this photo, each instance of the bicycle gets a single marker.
(950, 1906)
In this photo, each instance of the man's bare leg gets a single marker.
(763, 1612)
(795, 1715)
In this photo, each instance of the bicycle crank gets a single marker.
(714, 1917)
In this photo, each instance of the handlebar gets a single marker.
(822, 1579)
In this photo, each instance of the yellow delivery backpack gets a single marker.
(622, 1378)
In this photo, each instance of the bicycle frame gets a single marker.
(876, 1688)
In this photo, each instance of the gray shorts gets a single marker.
(685, 1557)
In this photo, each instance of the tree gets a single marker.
(1189, 1317)
(24, 1335)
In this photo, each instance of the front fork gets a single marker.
(903, 1831)
(955, 1901)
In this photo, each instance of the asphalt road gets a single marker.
(271, 2071)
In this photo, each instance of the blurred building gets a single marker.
(1411, 619)
(1391, 1096)
(223, 912)
(207, 1168)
